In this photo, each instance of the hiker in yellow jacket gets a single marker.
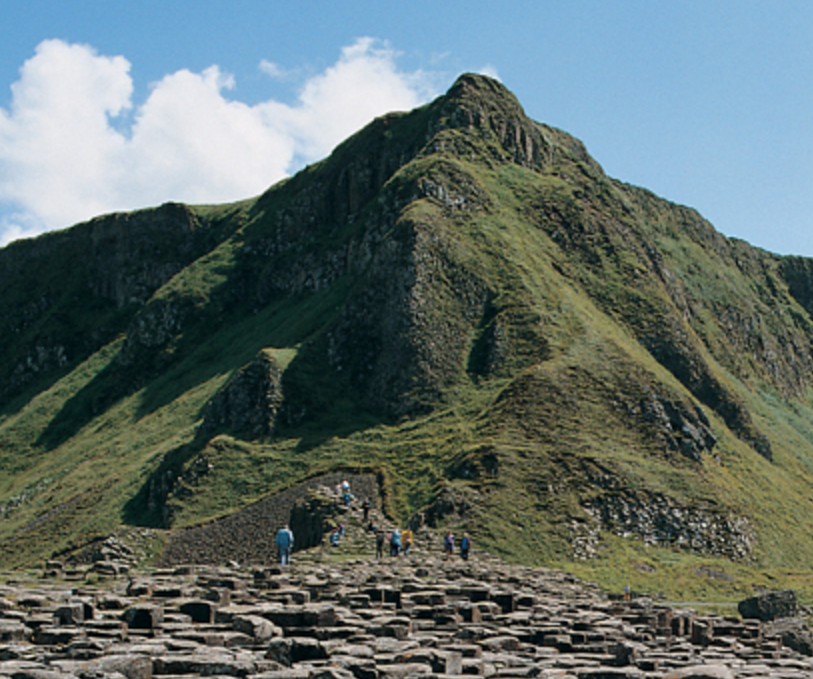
(406, 539)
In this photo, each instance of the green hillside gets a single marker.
(572, 369)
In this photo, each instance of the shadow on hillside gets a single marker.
(15, 404)
(96, 397)
(162, 384)
(317, 407)
(149, 508)
(163, 373)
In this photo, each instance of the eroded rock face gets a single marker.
(683, 429)
(680, 354)
(659, 520)
(249, 402)
(112, 264)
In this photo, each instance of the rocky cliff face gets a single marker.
(68, 293)
(249, 402)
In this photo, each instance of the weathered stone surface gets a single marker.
(12, 630)
(702, 672)
(684, 428)
(793, 633)
(204, 663)
(359, 666)
(56, 636)
(378, 620)
(770, 605)
(659, 519)
(70, 614)
(257, 627)
(292, 650)
(404, 670)
(248, 403)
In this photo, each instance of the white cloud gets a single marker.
(190, 143)
(57, 139)
(273, 69)
(67, 152)
(336, 103)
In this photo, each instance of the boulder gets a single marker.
(256, 626)
(770, 605)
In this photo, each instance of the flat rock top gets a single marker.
(368, 619)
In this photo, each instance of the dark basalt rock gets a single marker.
(249, 402)
(770, 605)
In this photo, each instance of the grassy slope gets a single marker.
(545, 416)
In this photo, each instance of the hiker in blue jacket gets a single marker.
(285, 543)
(465, 546)
(395, 542)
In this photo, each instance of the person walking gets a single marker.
(407, 539)
(365, 507)
(379, 544)
(448, 545)
(465, 546)
(395, 542)
(335, 537)
(285, 543)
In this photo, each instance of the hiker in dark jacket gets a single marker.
(379, 544)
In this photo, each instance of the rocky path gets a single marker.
(247, 536)
(367, 619)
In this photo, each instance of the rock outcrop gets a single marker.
(658, 520)
(112, 265)
(249, 402)
(770, 606)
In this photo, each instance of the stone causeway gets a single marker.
(395, 618)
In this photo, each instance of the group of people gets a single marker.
(448, 545)
(400, 542)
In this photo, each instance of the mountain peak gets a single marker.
(482, 93)
(479, 102)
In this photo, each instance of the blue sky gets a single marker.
(108, 105)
